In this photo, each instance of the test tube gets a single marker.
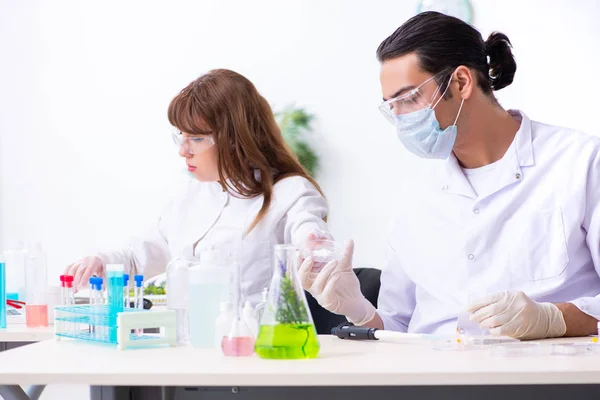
(69, 292)
(101, 329)
(62, 290)
(2, 293)
(114, 297)
(67, 297)
(138, 296)
(93, 311)
(126, 300)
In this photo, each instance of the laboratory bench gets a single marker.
(17, 334)
(344, 369)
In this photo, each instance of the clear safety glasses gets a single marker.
(414, 100)
(192, 144)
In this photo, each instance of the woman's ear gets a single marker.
(466, 82)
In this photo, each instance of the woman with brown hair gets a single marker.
(246, 180)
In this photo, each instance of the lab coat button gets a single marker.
(518, 176)
(471, 257)
(476, 211)
(445, 187)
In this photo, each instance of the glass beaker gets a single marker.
(286, 327)
(36, 281)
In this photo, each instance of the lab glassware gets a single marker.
(286, 329)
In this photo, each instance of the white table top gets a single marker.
(340, 363)
(17, 331)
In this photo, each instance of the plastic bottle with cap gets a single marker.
(209, 286)
(177, 297)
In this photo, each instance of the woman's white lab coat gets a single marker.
(297, 208)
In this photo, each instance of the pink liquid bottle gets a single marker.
(239, 342)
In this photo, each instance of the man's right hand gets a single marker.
(83, 270)
(337, 288)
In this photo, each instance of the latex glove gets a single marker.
(337, 288)
(83, 270)
(313, 241)
(516, 315)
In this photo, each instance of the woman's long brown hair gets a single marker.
(245, 131)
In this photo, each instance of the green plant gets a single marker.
(290, 307)
(152, 289)
(295, 123)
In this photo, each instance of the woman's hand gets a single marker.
(83, 270)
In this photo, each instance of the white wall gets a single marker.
(86, 157)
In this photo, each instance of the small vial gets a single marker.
(62, 290)
(102, 330)
(93, 311)
(138, 297)
(68, 299)
(126, 300)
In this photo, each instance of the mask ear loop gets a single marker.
(459, 109)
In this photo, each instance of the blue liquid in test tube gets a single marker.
(2, 294)
(114, 290)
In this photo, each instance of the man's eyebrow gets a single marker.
(401, 91)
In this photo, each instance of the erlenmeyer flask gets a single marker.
(286, 327)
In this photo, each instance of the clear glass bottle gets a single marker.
(15, 258)
(286, 327)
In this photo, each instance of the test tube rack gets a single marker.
(93, 324)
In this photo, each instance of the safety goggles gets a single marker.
(192, 144)
(414, 100)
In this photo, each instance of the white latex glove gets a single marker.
(337, 288)
(312, 242)
(317, 235)
(516, 315)
(83, 270)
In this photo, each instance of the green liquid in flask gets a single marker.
(287, 342)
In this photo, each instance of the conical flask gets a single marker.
(286, 329)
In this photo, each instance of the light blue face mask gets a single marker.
(420, 132)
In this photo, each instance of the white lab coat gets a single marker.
(537, 230)
(297, 208)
